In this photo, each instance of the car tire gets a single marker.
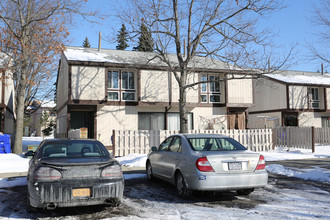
(181, 186)
(150, 175)
(29, 208)
(244, 192)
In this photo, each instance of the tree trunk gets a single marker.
(183, 111)
(19, 122)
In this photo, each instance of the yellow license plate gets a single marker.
(82, 192)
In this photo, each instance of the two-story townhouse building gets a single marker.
(291, 98)
(7, 97)
(128, 90)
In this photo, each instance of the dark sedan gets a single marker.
(73, 172)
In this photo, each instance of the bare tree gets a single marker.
(321, 19)
(32, 35)
(224, 30)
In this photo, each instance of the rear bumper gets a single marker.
(212, 181)
(59, 194)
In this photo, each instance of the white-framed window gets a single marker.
(121, 85)
(211, 91)
(313, 96)
(156, 121)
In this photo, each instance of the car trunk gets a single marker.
(79, 167)
(233, 161)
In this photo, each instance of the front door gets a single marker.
(236, 121)
(290, 119)
(83, 119)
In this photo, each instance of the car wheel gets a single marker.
(150, 175)
(244, 192)
(181, 186)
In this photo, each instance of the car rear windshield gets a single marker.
(215, 144)
(77, 148)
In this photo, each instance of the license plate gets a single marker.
(82, 192)
(235, 166)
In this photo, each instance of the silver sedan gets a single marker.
(206, 162)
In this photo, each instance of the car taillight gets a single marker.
(261, 164)
(204, 165)
(47, 174)
(112, 171)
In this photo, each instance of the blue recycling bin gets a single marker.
(5, 144)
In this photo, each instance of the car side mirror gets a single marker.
(30, 153)
(154, 149)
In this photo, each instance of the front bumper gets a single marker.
(59, 193)
(212, 181)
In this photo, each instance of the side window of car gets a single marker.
(175, 145)
(164, 146)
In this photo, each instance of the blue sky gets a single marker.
(291, 25)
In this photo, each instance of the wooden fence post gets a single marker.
(313, 139)
(113, 143)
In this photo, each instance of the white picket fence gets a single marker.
(140, 142)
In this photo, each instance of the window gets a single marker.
(313, 96)
(151, 121)
(210, 92)
(173, 121)
(175, 145)
(121, 85)
(215, 144)
(164, 146)
(156, 121)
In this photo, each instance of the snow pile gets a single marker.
(296, 154)
(133, 160)
(13, 163)
(318, 173)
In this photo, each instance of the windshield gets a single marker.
(215, 144)
(77, 148)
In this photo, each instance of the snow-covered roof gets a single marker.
(136, 58)
(48, 104)
(299, 77)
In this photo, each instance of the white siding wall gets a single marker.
(215, 116)
(298, 97)
(154, 86)
(9, 93)
(328, 97)
(115, 117)
(88, 83)
(272, 120)
(192, 92)
(268, 95)
(240, 91)
(62, 83)
(308, 119)
(61, 122)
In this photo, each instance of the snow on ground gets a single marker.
(10, 163)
